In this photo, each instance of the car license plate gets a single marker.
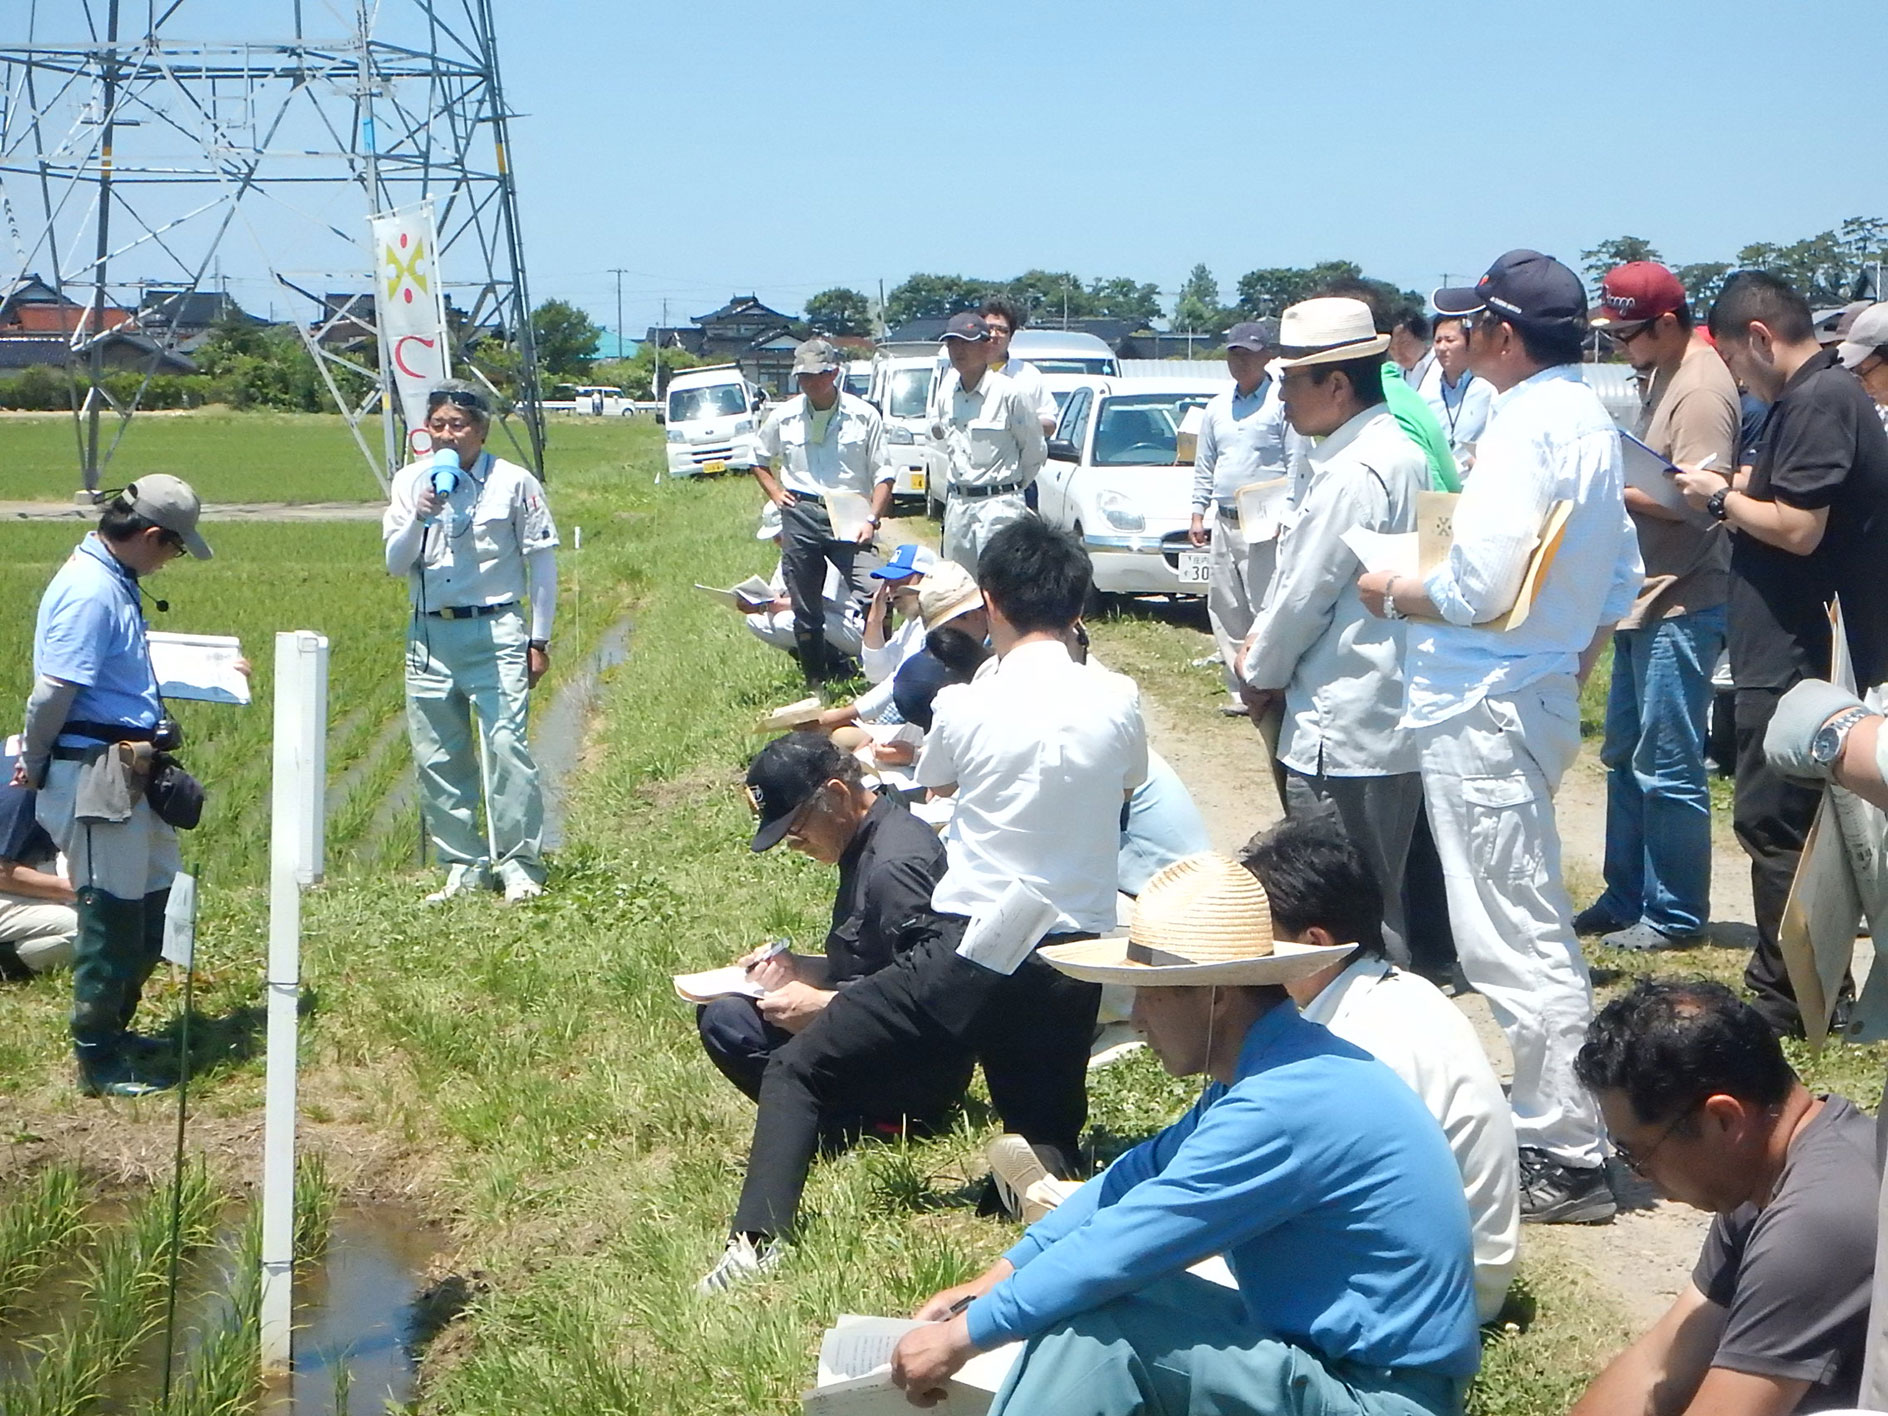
(1196, 568)
(719, 464)
(911, 482)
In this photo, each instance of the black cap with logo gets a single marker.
(783, 777)
(1523, 287)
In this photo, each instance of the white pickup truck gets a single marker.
(590, 400)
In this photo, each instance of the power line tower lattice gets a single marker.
(144, 168)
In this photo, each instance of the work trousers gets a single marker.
(1185, 1346)
(38, 933)
(739, 1041)
(129, 859)
(970, 522)
(458, 670)
(1771, 814)
(806, 547)
(1658, 790)
(1379, 815)
(902, 1041)
(775, 628)
(1237, 590)
(1489, 777)
(1427, 935)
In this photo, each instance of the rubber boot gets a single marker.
(810, 644)
(140, 1049)
(106, 955)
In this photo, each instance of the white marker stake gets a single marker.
(295, 861)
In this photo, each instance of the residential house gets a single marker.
(38, 326)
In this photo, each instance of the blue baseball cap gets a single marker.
(1523, 287)
(907, 560)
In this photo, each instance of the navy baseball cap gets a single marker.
(783, 777)
(1524, 287)
(965, 325)
(906, 561)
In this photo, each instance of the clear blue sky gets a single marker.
(714, 147)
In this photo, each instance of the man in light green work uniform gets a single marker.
(475, 539)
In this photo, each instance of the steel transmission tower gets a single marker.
(150, 144)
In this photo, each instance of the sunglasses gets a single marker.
(1623, 335)
(459, 398)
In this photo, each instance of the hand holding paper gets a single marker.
(1001, 937)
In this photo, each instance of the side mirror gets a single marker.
(661, 415)
(1062, 450)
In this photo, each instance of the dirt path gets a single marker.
(212, 511)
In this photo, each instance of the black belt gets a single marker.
(106, 732)
(470, 612)
(813, 497)
(1229, 513)
(74, 754)
(958, 489)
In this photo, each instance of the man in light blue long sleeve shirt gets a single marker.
(1312, 1167)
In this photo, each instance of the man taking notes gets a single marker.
(1315, 1171)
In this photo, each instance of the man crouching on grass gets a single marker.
(1700, 1102)
(1307, 1163)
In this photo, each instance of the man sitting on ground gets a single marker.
(773, 624)
(37, 914)
(810, 794)
(1306, 1162)
(1322, 891)
(1700, 1101)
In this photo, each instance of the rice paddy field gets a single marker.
(521, 1080)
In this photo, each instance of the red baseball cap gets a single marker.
(1638, 290)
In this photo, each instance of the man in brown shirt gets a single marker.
(1658, 801)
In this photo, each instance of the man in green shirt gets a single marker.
(1410, 409)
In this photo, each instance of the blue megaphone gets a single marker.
(445, 472)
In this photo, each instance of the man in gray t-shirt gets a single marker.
(1700, 1101)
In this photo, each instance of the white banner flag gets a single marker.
(410, 310)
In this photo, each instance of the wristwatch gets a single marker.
(1390, 611)
(543, 646)
(1826, 746)
(1715, 503)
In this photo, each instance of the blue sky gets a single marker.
(711, 147)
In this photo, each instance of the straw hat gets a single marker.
(1327, 330)
(946, 592)
(1203, 920)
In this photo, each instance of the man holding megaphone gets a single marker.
(473, 536)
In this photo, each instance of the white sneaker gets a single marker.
(521, 887)
(460, 880)
(1015, 1167)
(741, 1262)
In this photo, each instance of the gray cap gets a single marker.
(1260, 336)
(816, 356)
(169, 502)
(1867, 333)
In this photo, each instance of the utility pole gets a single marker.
(618, 272)
(655, 367)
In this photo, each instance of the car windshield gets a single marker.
(1105, 367)
(688, 405)
(857, 384)
(1138, 430)
(907, 392)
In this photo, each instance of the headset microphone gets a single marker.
(161, 606)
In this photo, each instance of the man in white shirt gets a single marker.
(1003, 319)
(1496, 713)
(1322, 891)
(1242, 441)
(1041, 754)
(990, 434)
(1459, 400)
(1337, 667)
(471, 551)
(1409, 349)
(823, 444)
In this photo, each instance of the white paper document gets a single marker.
(710, 984)
(849, 512)
(751, 594)
(1262, 509)
(1000, 937)
(180, 920)
(1393, 551)
(1649, 472)
(855, 1372)
(198, 666)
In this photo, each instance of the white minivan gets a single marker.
(901, 391)
(712, 416)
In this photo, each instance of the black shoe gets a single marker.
(1552, 1193)
(1594, 920)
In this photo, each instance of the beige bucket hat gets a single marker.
(946, 592)
(1202, 921)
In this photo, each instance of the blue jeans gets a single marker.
(1658, 798)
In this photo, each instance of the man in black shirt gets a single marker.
(1702, 1104)
(820, 1072)
(1809, 524)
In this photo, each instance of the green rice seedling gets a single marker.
(36, 1228)
(223, 1376)
(122, 1303)
(314, 1207)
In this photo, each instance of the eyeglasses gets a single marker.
(1622, 335)
(1640, 1164)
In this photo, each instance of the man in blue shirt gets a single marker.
(1307, 1163)
(90, 721)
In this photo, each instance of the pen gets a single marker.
(772, 951)
(961, 1304)
(1707, 461)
